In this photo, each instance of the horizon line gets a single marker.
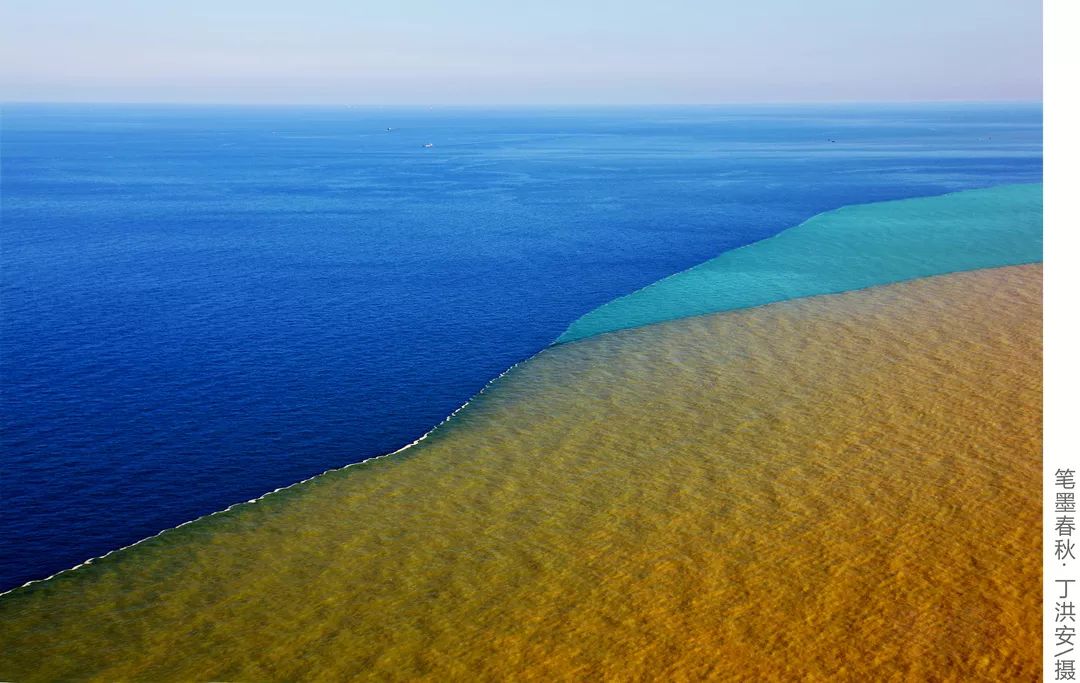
(512, 105)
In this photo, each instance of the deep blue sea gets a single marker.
(201, 304)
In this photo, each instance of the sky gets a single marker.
(587, 52)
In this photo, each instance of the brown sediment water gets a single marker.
(844, 487)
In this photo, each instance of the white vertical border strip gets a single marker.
(1061, 341)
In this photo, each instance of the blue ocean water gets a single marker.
(201, 304)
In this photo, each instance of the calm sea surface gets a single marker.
(202, 304)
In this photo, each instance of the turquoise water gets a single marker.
(849, 248)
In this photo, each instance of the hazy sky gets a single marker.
(489, 52)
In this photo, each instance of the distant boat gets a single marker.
(388, 129)
(428, 144)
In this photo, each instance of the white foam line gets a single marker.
(283, 488)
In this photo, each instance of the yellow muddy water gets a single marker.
(843, 487)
